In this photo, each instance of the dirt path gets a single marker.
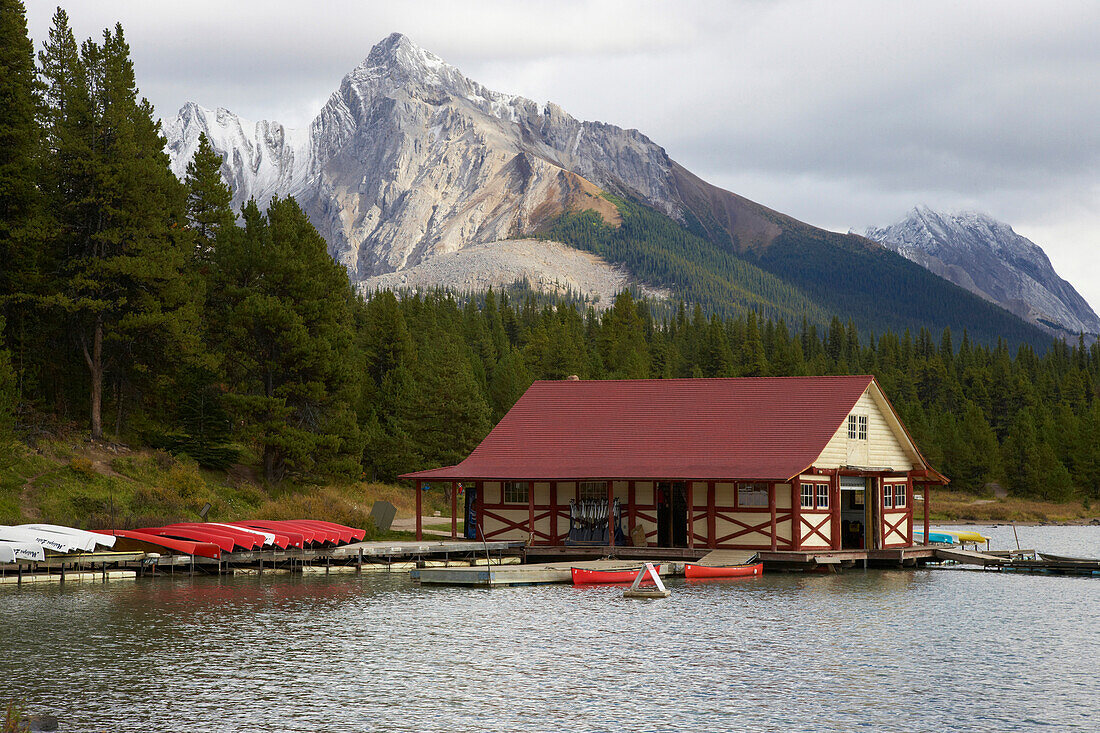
(408, 524)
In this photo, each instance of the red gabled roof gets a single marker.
(749, 428)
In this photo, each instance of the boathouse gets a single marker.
(785, 463)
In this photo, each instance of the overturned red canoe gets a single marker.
(337, 533)
(586, 576)
(145, 541)
(244, 539)
(290, 537)
(309, 535)
(225, 542)
(726, 571)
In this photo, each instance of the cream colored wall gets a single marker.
(724, 494)
(896, 537)
(782, 497)
(491, 491)
(517, 515)
(724, 527)
(809, 538)
(886, 446)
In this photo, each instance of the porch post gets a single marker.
(479, 511)
(419, 529)
(553, 512)
(909, 509)
(630, 509)
(531, 510)
(834, 504)
(927, 504)
(771, 508)
(691, 514)
(610, 513)
(712, 535)
(454, 510)
(796, 513)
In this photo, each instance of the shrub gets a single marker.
(83, 467)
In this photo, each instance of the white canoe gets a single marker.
(48, 540)
(21, 551)
(269, 537)
(82, 538)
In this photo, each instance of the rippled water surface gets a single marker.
(921, 650)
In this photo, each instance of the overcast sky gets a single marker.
(842, 114)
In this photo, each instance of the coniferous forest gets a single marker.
(142, 309)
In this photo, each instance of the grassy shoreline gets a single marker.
(965, 508)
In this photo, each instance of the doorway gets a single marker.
(672, 514)
(853, 513)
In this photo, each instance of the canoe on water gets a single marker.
(587, 576)
(692, 571)
(1067, 558)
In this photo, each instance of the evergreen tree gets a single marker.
(208, 198)
(24, 264)
(132, 302)
(7, 391)
(284, 318)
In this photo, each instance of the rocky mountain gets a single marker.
(988, 258)
(409, 160)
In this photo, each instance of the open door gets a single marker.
(672, 528)
(854, 508)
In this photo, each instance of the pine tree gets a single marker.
(7, 391)
(133, 305)
(24, 265)
(208, 198)
(284, 315)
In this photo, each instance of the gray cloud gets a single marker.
(842, 114)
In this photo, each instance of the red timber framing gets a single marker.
(454, 510)
(547, 522)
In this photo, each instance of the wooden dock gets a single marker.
(1026, 561)
(543, 573)
(803, 560)
(356, 557)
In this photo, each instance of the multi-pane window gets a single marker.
(852, 430)
(592, 490)
(807, 496)
(752, 495)
(900, 491)
(862, 427)
(857, 427)
(823, 496)
(515, 492)
(888, 496)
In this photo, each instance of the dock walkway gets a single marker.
(543, 573)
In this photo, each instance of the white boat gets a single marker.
(269, 537)
(48, 540)
(86, 540)
(21, 551)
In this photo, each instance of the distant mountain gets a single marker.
(987, 257)
(410, 159)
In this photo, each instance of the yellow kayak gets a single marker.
(967, 536)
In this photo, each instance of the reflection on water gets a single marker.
(878, 650)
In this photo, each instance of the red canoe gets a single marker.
(294, 537)
(187, 547)
(727, 571)
(288, 528)
(225, 542)
(353, 534)
(584, 576)
(246, 540)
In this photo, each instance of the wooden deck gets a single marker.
(543, 573)
(819, 559)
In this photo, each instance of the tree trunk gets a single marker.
(94, 361)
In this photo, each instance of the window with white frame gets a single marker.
(592, 490)
(852, 429)
(862, 434)
(900, 493)
(807, 496)
(857, 427)
(515, 492)
(752, 495)
(823, 496)
(888, 496)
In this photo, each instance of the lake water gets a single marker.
(920, 650)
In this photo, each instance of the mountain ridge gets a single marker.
(987, 257)
(409, 159)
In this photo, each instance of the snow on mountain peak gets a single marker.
(975, 251)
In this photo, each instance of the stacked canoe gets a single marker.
(32, 542)
(211, 539)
